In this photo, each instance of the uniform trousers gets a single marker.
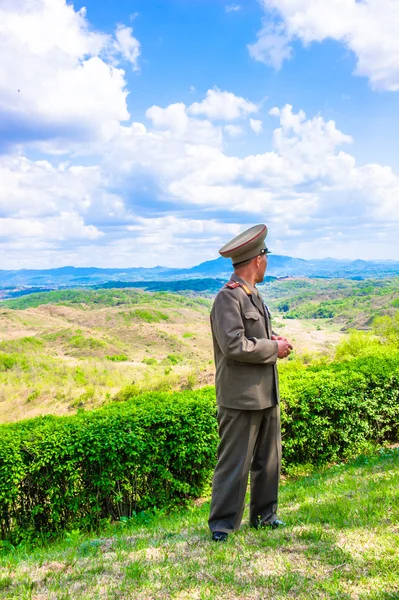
(250, 441)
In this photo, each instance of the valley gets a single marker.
(69, 350)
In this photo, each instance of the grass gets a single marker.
(348, 303)
(84, 299)
(341, 542)
(55, 359)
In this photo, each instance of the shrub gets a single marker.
(149, 361)
(21, 344)
(60, 473)
(79, 376)
(33, 396)
(148, 316)
(81, 400)
(388, 328)
(7, 361)
(159, 449)
(337, 410)
(174, 359)
(79, 341)
(357, 344)
(118, 358)
(11, 361)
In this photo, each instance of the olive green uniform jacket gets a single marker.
(245, 356)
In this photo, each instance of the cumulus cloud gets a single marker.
(68, 226)
(127, 45)
(234, 131)
(38, 189)
(368, 29)
(60, 83)
(222, 105)
(176, 121)
(307, 185)
(175, 235)
(47, 210)
(174, 183)
(256, 125)
(273, 45)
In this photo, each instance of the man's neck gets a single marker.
(247, 277)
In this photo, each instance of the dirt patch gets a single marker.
(306, 337)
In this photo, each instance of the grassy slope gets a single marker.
(61, 349)
(349, 304)
(341, 541)
(62, 353)
(63, 340)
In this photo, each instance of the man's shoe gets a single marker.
(272, 524)
(219, 536)
(277, 523)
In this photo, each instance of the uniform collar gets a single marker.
(255, 296)
(238, 279)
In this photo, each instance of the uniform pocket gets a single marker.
(254, 324)
(252, 315)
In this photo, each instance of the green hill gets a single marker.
(349, 304)
(60, 351)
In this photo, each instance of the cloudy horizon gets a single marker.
(146, 135)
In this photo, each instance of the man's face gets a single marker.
(260, 274)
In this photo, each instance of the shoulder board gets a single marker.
(246, 289)
(232, 285)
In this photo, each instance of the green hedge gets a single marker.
(335, 411)
(63, 472)
(160, 448)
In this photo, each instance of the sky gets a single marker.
(146, 133)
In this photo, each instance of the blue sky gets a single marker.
(145, 133)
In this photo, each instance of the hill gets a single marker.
(70, 349)
(341, 541)
(350, 304)
(82, 347)
(23, 281)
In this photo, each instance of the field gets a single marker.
(72, 349)
(341, 541)
(64, 357)
(345, 303)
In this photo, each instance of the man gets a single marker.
(246, 352)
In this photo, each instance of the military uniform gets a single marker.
(248, 401)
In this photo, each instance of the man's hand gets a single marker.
(284, 346)
(280, 337)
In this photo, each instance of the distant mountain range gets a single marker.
(26, 280)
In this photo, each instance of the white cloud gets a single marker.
(234, 131)
(273, 45)
(368, 28)
(256, 125)
(172, 185)
(65, 226)
(127, 45)
(232, 8)
(222, 105)
(307, 186)
(60, 85)
(37, 189)
(180, 126)
(175, 236)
